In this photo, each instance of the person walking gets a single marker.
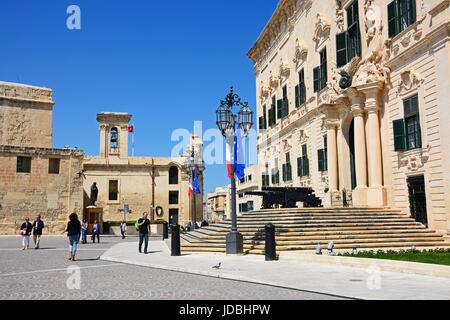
(123, 229)
(96, 232)
(73, 233)
(38, 226)
(144, 230)
(84, 231)
(25, 231)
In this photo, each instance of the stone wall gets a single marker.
(25, 116)
(53, 196)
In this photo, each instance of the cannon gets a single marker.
(287, 197)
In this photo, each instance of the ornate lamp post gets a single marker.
(192, 163)
(226, 121)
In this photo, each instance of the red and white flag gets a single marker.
(191, 190)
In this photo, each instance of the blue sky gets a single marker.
(168, 63)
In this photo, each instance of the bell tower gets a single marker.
(114, 134)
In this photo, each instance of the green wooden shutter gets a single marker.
(297, 96)
(393, 20)
(280, 109)
(316, 76)
(341, 49)
(399, 135)
(260, 123)
(299, 167)
(285, 108)
(321, 158)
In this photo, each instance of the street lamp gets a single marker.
(192, 163)
(226, 122)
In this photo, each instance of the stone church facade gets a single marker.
(38, 179)
(351, 101)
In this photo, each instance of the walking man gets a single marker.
(38, 226)
(25, 230)
(123, 229)
(144, 230)
(96, 232)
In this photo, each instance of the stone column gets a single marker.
(376, 195)
(333, 173)
(360, 193)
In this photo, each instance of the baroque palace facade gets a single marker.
(352, 102)
(38, 179)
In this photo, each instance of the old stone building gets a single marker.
(142, 183)
(352, 101)
(35, 178)
(219, 204)
(251, 182)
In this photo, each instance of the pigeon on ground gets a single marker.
(218, 266)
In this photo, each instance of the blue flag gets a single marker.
(196, 185)
(239, 163)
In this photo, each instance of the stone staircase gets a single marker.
(303, 229)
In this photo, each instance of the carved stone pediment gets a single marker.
(322, 28)
(410, 80)
(301, 51)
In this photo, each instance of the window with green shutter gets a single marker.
(348, 43)
(407, 131)
(316, 76)
(300, 167)
(280, 109)
(302, 87)
(401, 14)
(341, 49)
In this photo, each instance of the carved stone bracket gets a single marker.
(265, 92)
(303, 137)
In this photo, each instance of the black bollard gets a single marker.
(165, 230)
(175, 245)
(271, 251)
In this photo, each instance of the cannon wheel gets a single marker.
(291, 203)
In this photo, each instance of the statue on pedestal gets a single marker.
(94, 194)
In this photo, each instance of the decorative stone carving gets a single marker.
(322, 28)
(373, 19)
(284, 69)
(300, 52)
(340, 20)
(274, 80)
(303, 137)
(409, 80)
(374, 67)
(286, 146)
(415, 160)
(23, 92)
(265, 92)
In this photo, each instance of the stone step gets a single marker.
(293, 227)
(283, 239)
(311, 221)
(207, 232)
(317, 218)
(367, 245)
(321, 210)
(281, 243)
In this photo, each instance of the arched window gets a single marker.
(114, 138)
(173, 175)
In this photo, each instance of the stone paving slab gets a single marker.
(370, 283)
